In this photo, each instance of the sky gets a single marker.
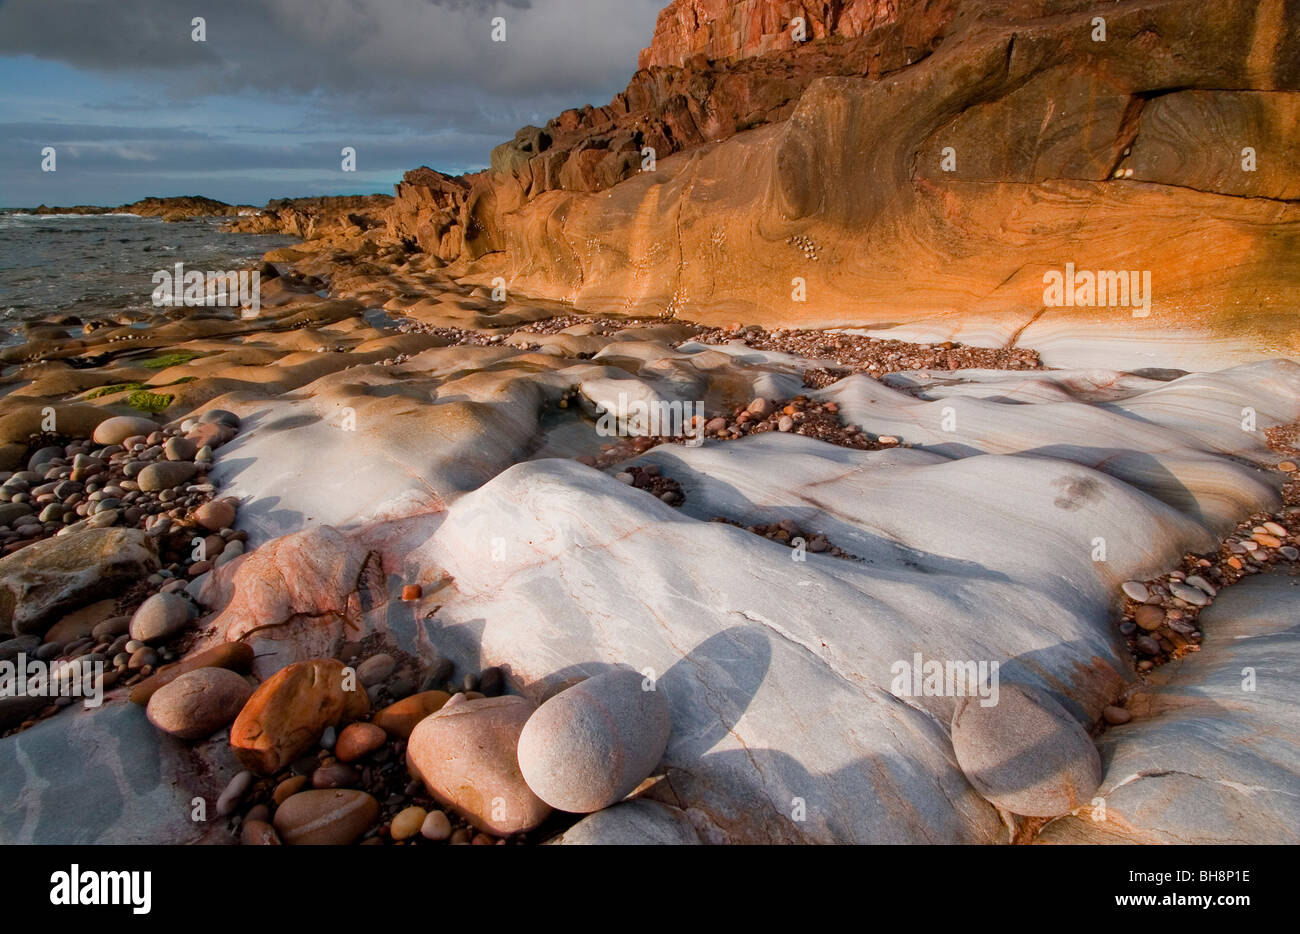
(133, 106)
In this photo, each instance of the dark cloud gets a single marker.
(407, 82)
(343, 47)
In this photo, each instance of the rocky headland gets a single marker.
(394, 560)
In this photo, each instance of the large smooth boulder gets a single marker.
(289, 712)
(466, 756)
(588, 747)
(48, 578)
(1025, 753)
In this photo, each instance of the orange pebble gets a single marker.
(412, 592)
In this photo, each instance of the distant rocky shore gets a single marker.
(169, 209)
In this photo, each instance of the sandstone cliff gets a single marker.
(920, 163)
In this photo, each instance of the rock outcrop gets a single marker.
(921, 166)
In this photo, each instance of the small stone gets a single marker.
(400, 718)
(258, 833)
(328, 817)
(288, 788)
(287, 714)
(785, 423)
(436, 826)
(408, 822)
(1116, 715)
(219, 416)
(466, 756)
(491, 681)
(117, 429)
(412, 592)
(359, 740)
(179, 449)
(1272, 528)
(1147, 646)
(197, 704)
(1189, 594)
(237, 656)
(234, 793)
(759, 408)
(336, 775)
(1135, 591)
(141, 659)
(216, 515)
(165, 475)
(375, 669)
(1149, 616)
(160, 617)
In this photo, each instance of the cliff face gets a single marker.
(734, 29)
(719, 85)
(921, 164)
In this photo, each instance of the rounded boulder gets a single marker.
(466, 757)
(1025, 753)
(198, 703)
(588, 747)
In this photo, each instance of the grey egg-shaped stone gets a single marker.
(591, 745)
(1025, 753)
(160, 617)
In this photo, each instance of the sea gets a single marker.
(96, 265)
